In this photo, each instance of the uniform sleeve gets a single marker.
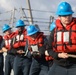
(2, 44)
(43, 48)
(50, 46)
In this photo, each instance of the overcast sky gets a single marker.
(44, 5)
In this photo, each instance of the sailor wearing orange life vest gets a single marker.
(37, 46)
(7, 47)
(62, 41)
(22, 62)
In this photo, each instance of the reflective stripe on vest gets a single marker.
(19, 37)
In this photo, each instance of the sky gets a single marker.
(43, 5)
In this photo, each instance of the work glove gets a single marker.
(36, 54)
(34, 48)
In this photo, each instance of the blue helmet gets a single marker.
(64, 8)
(52, 26)
(32, 30)
(20, 23)
(6, 27)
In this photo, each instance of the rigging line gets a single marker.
(27, 21)
(37, 18)
(39, 10)
(39, 21)
(7, 11)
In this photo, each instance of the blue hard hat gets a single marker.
(52, 26)
(64, 8)
(32, 30)
(6, 27)
(20, 23)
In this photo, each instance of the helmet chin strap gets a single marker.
(20, 32)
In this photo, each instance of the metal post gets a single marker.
(30, 12)
(12, 17)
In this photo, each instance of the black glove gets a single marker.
(42, 50)
(36, 54)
